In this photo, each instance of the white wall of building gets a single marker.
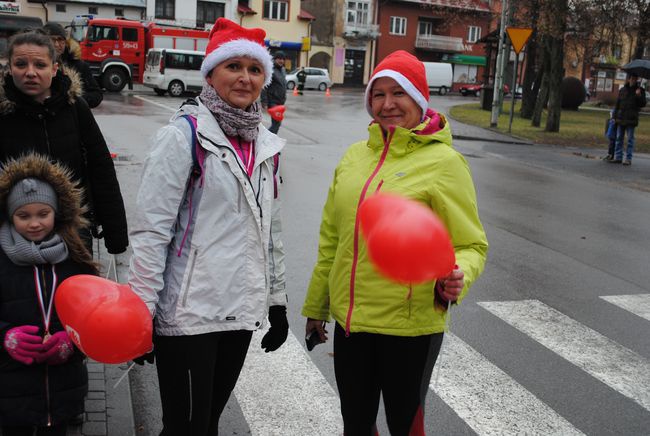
(72, 10)
(29, 9)
(186, 11)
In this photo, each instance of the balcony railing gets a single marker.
(439, 42)
(361, 31)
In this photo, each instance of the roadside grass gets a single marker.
(582, 128)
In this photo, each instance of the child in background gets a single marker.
(43, 377)
(610, 133)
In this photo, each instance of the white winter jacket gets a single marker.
(231, 267)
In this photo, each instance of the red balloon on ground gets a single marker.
(106, 320)
(406, 241)
(277, 112)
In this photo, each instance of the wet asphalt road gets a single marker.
(565, 229)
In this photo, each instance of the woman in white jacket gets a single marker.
(207, 257)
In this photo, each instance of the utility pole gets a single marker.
(498, 79)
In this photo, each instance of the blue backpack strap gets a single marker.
(198, 153)
(198, 160)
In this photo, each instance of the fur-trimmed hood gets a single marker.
(73, 50)
(66, 82)
(69, 195)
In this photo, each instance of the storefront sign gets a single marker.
(9, 7)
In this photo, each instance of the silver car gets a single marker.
(317, 78)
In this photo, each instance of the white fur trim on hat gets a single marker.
(402, 81)
(235, 48)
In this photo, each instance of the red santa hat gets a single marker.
(408, 72)
(228, 40)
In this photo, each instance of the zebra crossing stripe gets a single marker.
(638, 304)
(489, 400)
(283, 393)
(618, 367)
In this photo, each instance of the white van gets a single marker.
(439, 76)
(173, 71)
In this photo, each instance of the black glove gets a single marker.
(279, 330)
(149, 357)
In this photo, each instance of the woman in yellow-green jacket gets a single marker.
(387, 335)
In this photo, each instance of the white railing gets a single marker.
(439, 42)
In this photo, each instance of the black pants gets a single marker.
(275, 126)
(399, 368)
(55, 430)
(196, 375)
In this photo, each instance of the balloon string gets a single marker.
(124, 375)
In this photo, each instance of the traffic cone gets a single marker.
(328, 93)
(295, 90)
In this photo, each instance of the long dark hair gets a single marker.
(33, 37)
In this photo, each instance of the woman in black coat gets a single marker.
(41, 111)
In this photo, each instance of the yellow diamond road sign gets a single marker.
(519, 37)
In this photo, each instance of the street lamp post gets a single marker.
(498, 79)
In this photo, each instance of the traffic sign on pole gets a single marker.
(519, 37)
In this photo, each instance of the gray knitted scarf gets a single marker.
(23, 252)
(233, 121)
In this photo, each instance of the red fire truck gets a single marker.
(116, 49)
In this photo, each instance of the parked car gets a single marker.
(317, 78)
(439, 76)
(475, 89)
(173, 71)
(470, 89)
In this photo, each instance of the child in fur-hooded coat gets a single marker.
(43, 376)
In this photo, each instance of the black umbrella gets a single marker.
(640, 67)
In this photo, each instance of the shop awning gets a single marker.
(14, 23)
(245, 10)
(304, 15)
(284, 45)
(467, 60)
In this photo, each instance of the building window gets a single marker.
(166, 9)
(425, 28)
(119, 12)
(208, 12)
(397, 26)
(474, 34)
(465, 73)
(93, 10)
(60, 8)
(617, 51)
(358, 13)
(276, 10)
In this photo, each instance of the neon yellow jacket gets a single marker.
(419, 164)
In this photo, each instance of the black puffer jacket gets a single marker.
(71, 59)
(628, 104)
(22, 399)
(64, 129)
(276, 93)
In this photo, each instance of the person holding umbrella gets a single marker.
(631, 98)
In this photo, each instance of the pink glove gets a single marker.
(57, 349)
(23, 343)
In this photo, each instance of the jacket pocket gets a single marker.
(186, 290)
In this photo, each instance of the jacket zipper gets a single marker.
(47, 370)
(47, 394)
(189, 278)
(47, 137)
(355, 256)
